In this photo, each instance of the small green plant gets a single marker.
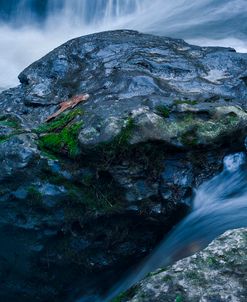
(163, 110)
(124, 136)
(119, 145)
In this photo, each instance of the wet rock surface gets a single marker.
(95, 189)
(218, 273)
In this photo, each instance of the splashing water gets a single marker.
(219, 204)
(31, 28)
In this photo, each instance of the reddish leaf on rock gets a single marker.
(71, 103)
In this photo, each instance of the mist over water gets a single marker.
(31, 28)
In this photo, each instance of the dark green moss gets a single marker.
(125, 296)
(4, 138)
(189, 102)
(196, 278)
(163, 110)
(60, 122)
(189, 138)
(65, 142)
(189, 118)
(211, 261)
(61, 135)
(119, 145)
(9, 121)
(122, 139)
(167, 278)
(179, 298)
(192, 275)
(34, 196)
(231, 119)
(48, 154)
(11, 124)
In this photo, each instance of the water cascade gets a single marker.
(31, 28)
(219, 204)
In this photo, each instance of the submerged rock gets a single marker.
(218, 273)
(96, 188)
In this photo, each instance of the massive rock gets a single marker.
(96, 188)
(218, 273)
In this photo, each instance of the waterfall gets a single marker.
(219, 204)
(31, 28)
(71, 11)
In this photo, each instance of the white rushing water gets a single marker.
(28, 30)
(219, 204)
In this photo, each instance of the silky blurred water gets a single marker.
(31, 28)
(219, 204)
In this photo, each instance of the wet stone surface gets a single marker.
(95, 189)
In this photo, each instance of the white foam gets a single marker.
(234, 161)
(21, 46)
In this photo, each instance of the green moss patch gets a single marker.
(125, 296)
(9, 121)
(119, 146)
(189, 102)
(164, 111)
(192, 130)
(60, 122)
(12, 123)
(34, 196)
(61, 135)
(189, 138)
(179, 298)
(3, 138)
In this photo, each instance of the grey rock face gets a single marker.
(96, 188)
(16, 154)
(218, 273)
(131, 74)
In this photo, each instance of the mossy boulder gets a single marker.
(218, 273)
(87, 194)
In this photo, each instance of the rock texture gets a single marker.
(218, 273)
(96, 188)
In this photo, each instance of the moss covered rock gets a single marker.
(218, 273)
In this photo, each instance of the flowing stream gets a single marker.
(31, 28)
(219, 204)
